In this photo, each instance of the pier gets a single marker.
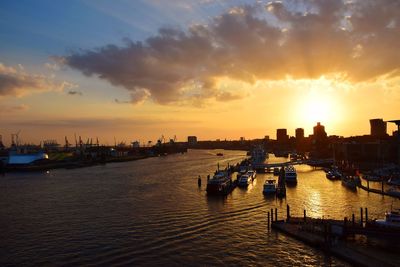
(311, 162)
(336, 237)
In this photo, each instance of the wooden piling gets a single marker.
(382, 186)
(268, 223)
(368, 184)
(366, 215)
(287, 212)
(361, 216)
(272, 215)
(353, 219)
(305, 217)
(276, 214)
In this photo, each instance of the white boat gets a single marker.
(269, 187)
(392, 219)
(244, 180)
(252, 174)
(241, 172)
(290, 174)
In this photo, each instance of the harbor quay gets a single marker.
(340, 238)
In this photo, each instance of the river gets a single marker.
(151, 212)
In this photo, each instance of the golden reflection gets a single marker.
(314, 200)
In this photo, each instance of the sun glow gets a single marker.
(318, 103)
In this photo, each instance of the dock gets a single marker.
(335, 237)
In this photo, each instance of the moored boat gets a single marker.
(220, 184)
(252, 174)
(269, 187)
(391, 220)
(245, 180)
(290, 174)
(350, 181)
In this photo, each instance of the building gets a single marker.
(281, 135)
(299, 134)
(378, 127)
(319, 132)
(192, 140)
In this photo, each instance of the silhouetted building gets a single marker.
(299, 134)
(192, 140)
(319, 132)
(378, 127)
(281, 135)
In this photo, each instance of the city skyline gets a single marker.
(214, 69)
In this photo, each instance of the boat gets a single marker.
(252, 174)
(391, 220)
(18, 157)
(276, 171)
(290, 174)
(333, 174)
(395, 180)
(245, 180)
(220, 154)
(269, 187)
(241, 172)
(220, 184)
(350, 181)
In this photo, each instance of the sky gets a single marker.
(218, 69)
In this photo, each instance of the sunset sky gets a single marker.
(136, 70)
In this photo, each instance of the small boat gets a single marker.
(392, 220)
(220, 154)
(350, 181)
(269, 187)
(241, 172)
(333, 175)
(244, 181)
(290, 174)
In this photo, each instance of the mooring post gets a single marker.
(208, 177)
(361, 219)
(368, 184)
(287, 212)
(353, 219)
(268, 220)
(199, 181)
(272, 215)
(276, 214)
(366, 216)
(382, 185)
(305, 217)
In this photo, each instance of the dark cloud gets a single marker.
(357, 40)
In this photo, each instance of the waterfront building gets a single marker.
(299, 134)
(192, 140)
(378, 127)
(281, 135)
(319, 132)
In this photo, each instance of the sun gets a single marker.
(318, 106)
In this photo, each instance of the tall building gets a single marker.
(299, 133)
(281, 135)
(319, 132)
(378, 127)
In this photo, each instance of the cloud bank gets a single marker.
(16, 82)
(354, 40)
